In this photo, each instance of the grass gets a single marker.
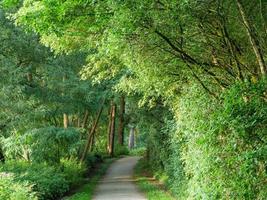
(85, 192)
(151, 187)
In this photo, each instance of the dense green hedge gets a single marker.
(215, 148)
(41, 181)
(13, 190)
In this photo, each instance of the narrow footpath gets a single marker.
(118, 183)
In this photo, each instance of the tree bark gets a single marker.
(2, 156)
(92, 142)
(65, 116)
(111, 129)
(78, 121)
(85, 118)
(65, 120)
(131, 138)
(262, 17)
(91, 133)
(121, 121)
(253, 39)
(231, 48)
(29, 77)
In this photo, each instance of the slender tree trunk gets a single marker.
(131, 138)
(91, 133)
(121, 121)
(92, 142)
(65, 120)
(253, 39)
(29, 77)
(78, 121)
(65, 116)
(230, 45)
(109, 127)
(2, 156)
(85, 119)
(112, 130)
(262, 10)
(83, 125)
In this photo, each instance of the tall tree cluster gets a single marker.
(44, 102)
(197, 70)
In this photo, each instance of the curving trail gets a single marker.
(118, 183)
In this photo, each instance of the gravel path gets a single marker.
(118, 183)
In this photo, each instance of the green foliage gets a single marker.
(190, 62)
(93, 158)
(121, 150)
(45, 144)
(225, 153)
(48, 182)
(151, 190)
(214, 149)
(86, 191)
(73, 171)
(45, 181)
(14, 190)
(163, 157)
(140, 151)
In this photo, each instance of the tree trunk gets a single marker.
(29, 77)
(91, 133)
(109, 127)
(78, 121)
(2, 156)
(231, 48)
(111, 130)
(65, 116)
(121, 121)
(65, 120)
(262, 10)
(92, 142)
(85, 119)
(131, 138)
(252, 37)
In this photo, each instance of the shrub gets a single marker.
(214, 149)
(164, 157)
(92, 158)
(48, 182)
(13, 190)
(140, 151)
(47, 144)
(73, 171)
(120, 150)
(225, 149)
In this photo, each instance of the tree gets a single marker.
(252, 38)
(111, 129)
(189, 64)
(121, 121)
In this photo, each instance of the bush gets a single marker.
(73, 171)
(92, 159)
(120, 150)
(225, 151)
(13, 190)
(48, 182)
(140, 151)
(214, 149)
(47, 144)
(164, 157)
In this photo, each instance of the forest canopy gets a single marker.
(188, 77)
